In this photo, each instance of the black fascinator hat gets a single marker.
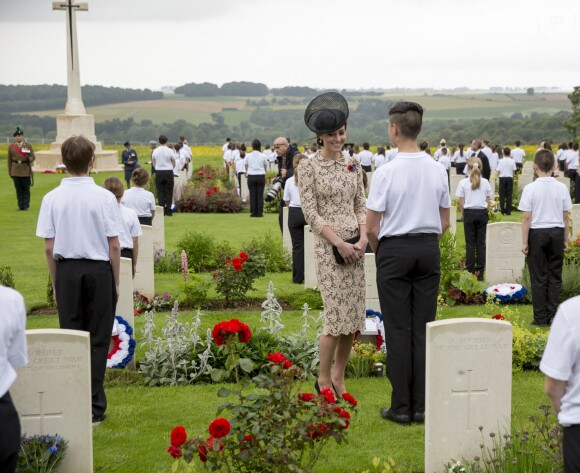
(326, 113)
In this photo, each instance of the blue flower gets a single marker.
(53, 449)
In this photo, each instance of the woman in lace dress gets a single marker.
(333, 201)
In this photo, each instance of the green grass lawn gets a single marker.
(135, 434)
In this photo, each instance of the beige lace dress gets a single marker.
(332, 193)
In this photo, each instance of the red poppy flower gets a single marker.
(174, 451)
(219, 428)
(498, 317)
(178, 436)
(350, 399)
(351, 167)
(327, 394)
(306, 397)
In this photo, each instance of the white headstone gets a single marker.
(575, 214)
(371, 291)
(524, 180)
(504, 261)
(144, 280)
(454, 180)
(468, 385)
(52, 393)
(125, 302)
(453, 219)
(158, 229)
(286, 240)
(310, 279)
(565, 181)
(244, 192)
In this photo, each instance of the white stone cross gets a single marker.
(469, 392)
(74, 102)
(41, 415)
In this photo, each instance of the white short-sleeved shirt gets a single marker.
(444, 161)
(474, 198)
(572, 159)
(409, 191)
(179, 163)
(391, 154)
(140, 200)
(458, 159)
(518, 155)
(561, 154)
(229, 156)
(225, 147)
(547, 199)
(162, 156)
(131, 227)
(365, 157)
(291, 193)
(494, 161)
(270, 155)
(241, 164)
(256, 162)
(561, 359)
(506, 167)
(13, 351)
(380, 160)
(79, 215)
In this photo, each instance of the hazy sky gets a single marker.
(318, 43)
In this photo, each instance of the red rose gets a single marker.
(245, 333)
(219, 428)
(243, 257)
(217, 445)
(306, 397)
(237, 267)
(327, 394)
(276, 358)
(202, 452)
(315, 431)
(174, 451)
(237, 261)
(248, 438)
(208, 193)
(350, 399)
(214, 189)
(178, 436)
(200, 173)
(287, 364)
(498, 317)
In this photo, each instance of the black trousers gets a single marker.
(22, 186)
(459, 167)
(146, 220)
(256, 184)
(519, 167)
(366, 168)
(562, 164)
(545, 258)
(164, 183)
(296, 224)
(408, 282)
(9, 435)
(240, 182)
(571, 449)
(576, 188)
(506, 189)
(475, 229)
(86, 300)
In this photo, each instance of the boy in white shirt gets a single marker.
(366, 158)
(80, 224)
(506, 169)
(546, 204)
(518, 155)
(445, 161)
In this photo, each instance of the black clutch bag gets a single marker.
(337, 256)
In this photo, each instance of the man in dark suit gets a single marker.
(478, 153)
(285, 152)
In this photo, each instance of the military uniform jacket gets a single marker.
(129, 155)
(20, 159)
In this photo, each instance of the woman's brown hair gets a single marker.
(295, 160)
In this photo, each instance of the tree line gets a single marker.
(25, 98)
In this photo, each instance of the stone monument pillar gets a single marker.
(75, 120)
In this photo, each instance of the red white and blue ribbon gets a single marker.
(123, 344)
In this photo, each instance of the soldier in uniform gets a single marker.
(20, 159)
(130, 162)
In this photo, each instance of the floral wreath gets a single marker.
(123, 344)
(506, 292)
(380, 327)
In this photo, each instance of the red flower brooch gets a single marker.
(351, 167)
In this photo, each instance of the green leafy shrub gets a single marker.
(465, 289)
(200, 249)
(361, 363)
(194, 292)
(527, 349)
(311, 297)
(6, 276)
(450, 265)
(236, 276)
(271, 249)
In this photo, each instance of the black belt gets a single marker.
(411, 235)
(19, 161)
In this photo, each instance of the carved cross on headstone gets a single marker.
(41, 414)
(469, 392)
(72, 8)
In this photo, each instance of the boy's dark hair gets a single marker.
(140, 177)
(162, 139)
(575, 146)
(256, 145)
(506, 151)
(518, 142)
(408, 116)
(545, 160)
(77, 152)
(366, 146)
